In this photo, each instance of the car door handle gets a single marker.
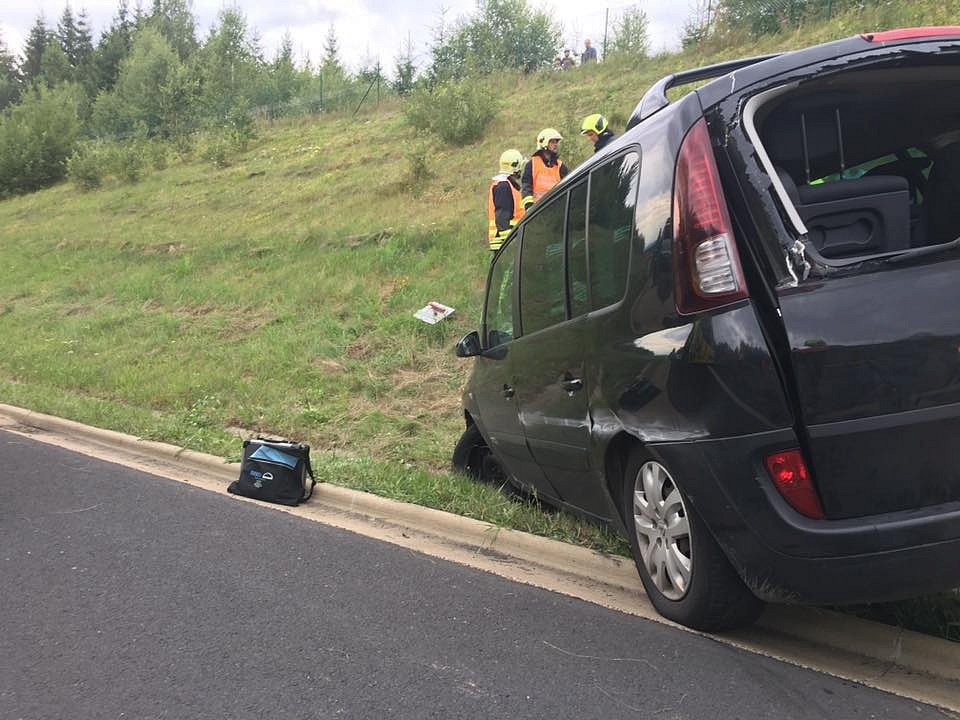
(572, 385)
(508, 391)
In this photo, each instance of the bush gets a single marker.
(88, 165)
(129, 160)
(456, 111)
(37, 138)
(217, 147)
(155, 153)
(418, 171)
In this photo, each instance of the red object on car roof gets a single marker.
(911, 33)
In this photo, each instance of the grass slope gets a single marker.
(277, 295)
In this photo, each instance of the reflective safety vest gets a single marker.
(544, 177)
(495, 237)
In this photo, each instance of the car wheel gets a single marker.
(472, 457)
(685, 573)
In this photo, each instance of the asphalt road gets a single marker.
(126, 595)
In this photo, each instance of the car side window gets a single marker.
(577, 251)
(498, 313)
(542, 297)
(613, 200)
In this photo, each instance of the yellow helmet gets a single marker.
(546, 135)
(593, 123)
(511, 161)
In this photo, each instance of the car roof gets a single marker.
(734, 75)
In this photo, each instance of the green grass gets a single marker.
(276, 294)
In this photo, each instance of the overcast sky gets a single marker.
(365, 28)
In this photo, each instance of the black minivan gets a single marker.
(734, 333)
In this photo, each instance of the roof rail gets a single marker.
(656, 99)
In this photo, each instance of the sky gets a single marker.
(365, 29)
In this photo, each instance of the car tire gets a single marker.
(473, 458)
(684, 572)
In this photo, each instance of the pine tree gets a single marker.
(331, 52)
(176, 23)
(113, 48)
(55, 68)
(404, 69)
(84, 49)
(33, 51)
(67, 34)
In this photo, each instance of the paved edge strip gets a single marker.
(877, 655)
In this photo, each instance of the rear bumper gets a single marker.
(785, 557)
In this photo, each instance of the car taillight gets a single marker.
(911, 33)
(792, 479)
(707, 271)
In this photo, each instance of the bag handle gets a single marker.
(313, 480)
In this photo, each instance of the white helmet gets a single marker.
(546, 135)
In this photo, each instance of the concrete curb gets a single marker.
(900, 661)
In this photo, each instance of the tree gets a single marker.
(630, 34)
(505, 34)
(175, 21)
(10, 79)
(113, 49)
(141, 101)
(404, 70)
(762, 16)
(229, 66)
(83, 53)
(36, 138)
(76, 42)
(55, 68)
(67, 33)
(697, 26)
(33, 51)
(331, 52)
(284, 80)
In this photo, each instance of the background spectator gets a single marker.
(589, 53)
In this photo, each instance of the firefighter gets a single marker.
(596, 129)
(504, 208)
(545, 168)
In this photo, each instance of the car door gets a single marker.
(549, 359)
(493, 381)
(579, 252)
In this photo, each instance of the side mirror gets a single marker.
(469, 345)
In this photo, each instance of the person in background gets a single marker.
(568, 61)
(504, 209)
(596, 129)
(589, 53)
(545, 168)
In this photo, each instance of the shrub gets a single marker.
(217, 147)
(36, 139)
(458, 111)
(88, 165)
(155, 153)
(129, 160)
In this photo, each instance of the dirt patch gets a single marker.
(361, 348)
(390, 287)
(329, 366)
(163, 249)
(430, 387)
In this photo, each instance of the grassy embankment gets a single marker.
(276, 295)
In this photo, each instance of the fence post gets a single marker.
(606, 23)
